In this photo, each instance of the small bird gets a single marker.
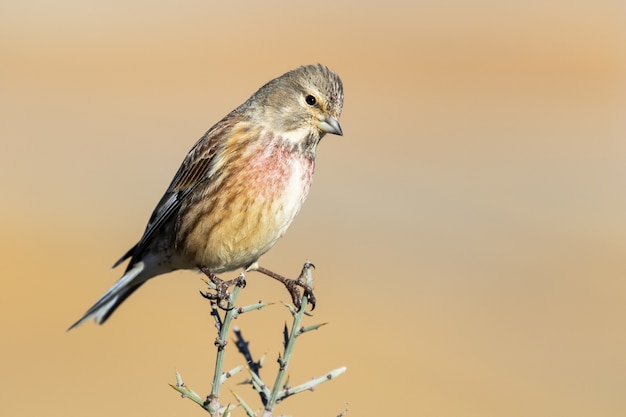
(238, 189)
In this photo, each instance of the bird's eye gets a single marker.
(310, 100)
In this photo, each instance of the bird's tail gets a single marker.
(111, 300)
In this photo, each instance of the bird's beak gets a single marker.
(330, 125)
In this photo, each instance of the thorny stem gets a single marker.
(221, 342)
(279, 390)
(284, 360)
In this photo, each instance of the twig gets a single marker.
(281, 388)
(283, 361)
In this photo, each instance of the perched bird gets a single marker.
(239, 187)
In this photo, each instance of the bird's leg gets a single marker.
(293, 284)
(221, 287)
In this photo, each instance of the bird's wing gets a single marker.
(194, 170)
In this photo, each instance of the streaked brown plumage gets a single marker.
(240, 186)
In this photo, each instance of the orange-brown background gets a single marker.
(469, 228)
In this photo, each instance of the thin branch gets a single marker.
(283, 361)
(281, 389)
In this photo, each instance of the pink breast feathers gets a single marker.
(281, 175)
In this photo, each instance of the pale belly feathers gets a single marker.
(241, 228)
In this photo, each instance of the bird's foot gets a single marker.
(294, 285)
(221, 294)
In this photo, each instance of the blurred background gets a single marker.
(468, 229)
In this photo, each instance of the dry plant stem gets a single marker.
(291, 341)
(249, 411)
(244, 348)
(220, 342)
(211, 402)
(281, 388)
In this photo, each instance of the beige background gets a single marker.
(469, 228)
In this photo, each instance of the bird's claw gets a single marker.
(221, 294)
(293, 284)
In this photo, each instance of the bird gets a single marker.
(238, 189)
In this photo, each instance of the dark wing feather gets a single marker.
(193, 171)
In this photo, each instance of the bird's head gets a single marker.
(302, 105)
